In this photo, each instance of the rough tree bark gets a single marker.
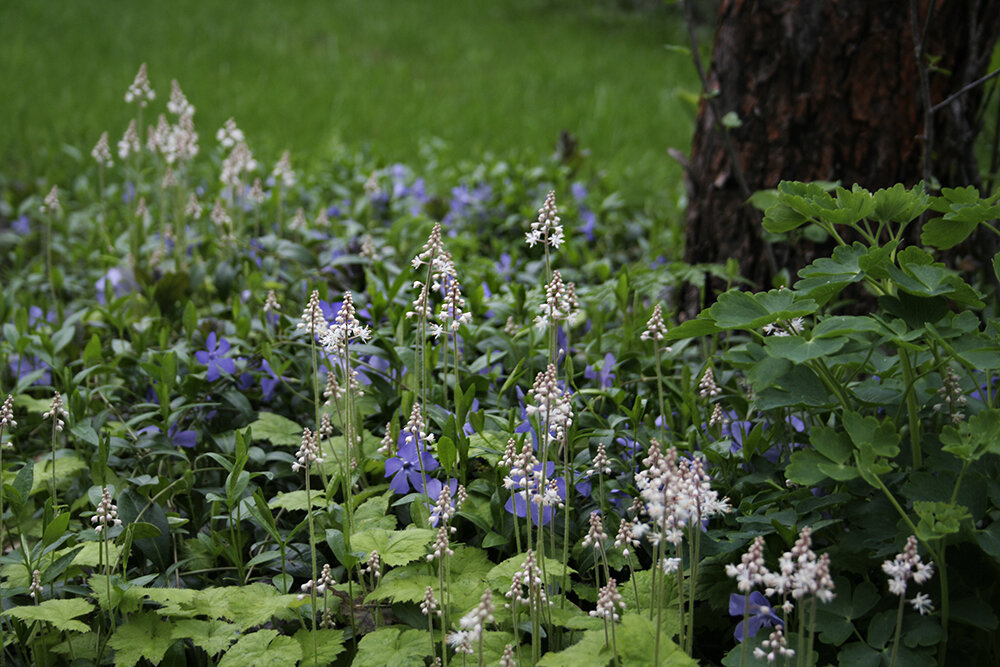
(828, 90)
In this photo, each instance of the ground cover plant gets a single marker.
(261, 415)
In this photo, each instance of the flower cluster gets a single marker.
(527, 584)
(140, 90)
(609, 600)
(472, 625)
(548, 229)
(324, 583)
(101, 152)
(56, 412)
(656, 330)
(107, 512)
(906, 566)
(551, 404)
(308, 451)
(676, 493)
(561, 304)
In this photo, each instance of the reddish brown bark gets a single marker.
(827, 90)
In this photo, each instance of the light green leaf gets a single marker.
(329, 644)
(263, 648)
(404, 584)
(590, 651)
(374, 513)
(397, 548)
(144, 636)
(296, 500)
(394, 646)
(211, 636)
(60, 613)
(635, 637)
(279, 430)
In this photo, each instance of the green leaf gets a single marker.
(803, 467)
(144, 636)
(831, 444)
(979, 435)
(780, 218)
(799, 350)
(296, 500)
(858, 654)
(263, 648)
(943, 233)
(897, 204)
(635, 638)
(60, 613)
(826, 277)
(939, 519)
(212, 636)
(374, 513)
(279, 430)
(700, 326)
(92, 352)
(739, 310)
(590, 651)
(447, 454)
(394, 646)
(329, 644)
(397, 548)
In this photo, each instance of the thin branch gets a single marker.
(964, 89)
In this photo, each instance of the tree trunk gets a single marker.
(828, 90)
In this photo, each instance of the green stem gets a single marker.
(912, 409)
(899, 631)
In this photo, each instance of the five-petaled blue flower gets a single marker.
(213, 356)
(405, 468)
(518, 503)
(761, 614)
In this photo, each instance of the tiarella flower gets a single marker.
(140, 90)
(761, 614)
(906, 566)
(548, 229)
(102, 152)
(606, 375)
(213, 356)
(107, 512)
(405, 469)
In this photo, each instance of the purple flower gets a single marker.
(26, 365)
(213, 357)
(605, 375)
(578, 190)
(589, 223)
(115, 280)
(505, 267)
(36, 315)
(405, 468)
(517, 504)
(760, 614)
(270, 383)
(177, 437)
(22, 225)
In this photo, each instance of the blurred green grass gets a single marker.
(504, 76)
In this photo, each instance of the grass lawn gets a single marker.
(502, 75)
